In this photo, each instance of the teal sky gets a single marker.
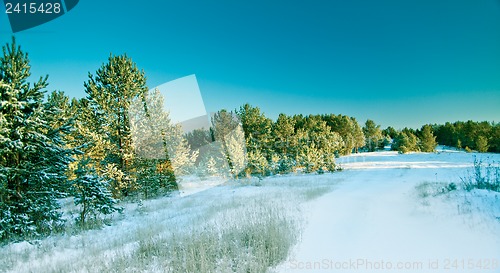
(400, 63)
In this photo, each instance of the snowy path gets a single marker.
(374, 222)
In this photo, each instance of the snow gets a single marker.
(189, 185)
(376, 221)
(371, 216)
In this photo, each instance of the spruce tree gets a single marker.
(33, 157)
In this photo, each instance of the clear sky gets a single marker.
(400, 63)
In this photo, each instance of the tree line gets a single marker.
(470, 135)
(118, 141)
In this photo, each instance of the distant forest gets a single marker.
(118, 142)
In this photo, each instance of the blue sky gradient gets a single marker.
(400, 63)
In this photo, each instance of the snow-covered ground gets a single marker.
(382, 213)
(383, 219)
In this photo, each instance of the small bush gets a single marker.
(451, 187)
(485, 176)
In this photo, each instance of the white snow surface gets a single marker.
(371, 218)
(376, 221)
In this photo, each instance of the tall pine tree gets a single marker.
(110, 93)
(373, 135)
(427, 139)
(160, 146)
(259, 143)
(224, 125)
(33, 159)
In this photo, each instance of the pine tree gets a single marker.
(211, 167)
(427, 139)
(224, 123)
(445, 134)
(257, 128)
(390, 132)
(110, 93)
(60, 111)
(358, 135)
(405, 142)
(198, 138)
(213, 161)
(91, 193)
(310, 158)
(373, 135)
(346, 126)
(161, 151)
(494, 142)
(283, 132)
(236, 150)
(317, 145)
(33, 159)
(257, 164)
(87, 136)
(285, 145)
(349, 130)
(482, 144)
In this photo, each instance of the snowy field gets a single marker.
(389, 216)
(383, 213)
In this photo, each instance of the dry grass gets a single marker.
(229, 234)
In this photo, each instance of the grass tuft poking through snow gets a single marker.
(475, 198)
(246, 239)
(224, 229)
(484, 176)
